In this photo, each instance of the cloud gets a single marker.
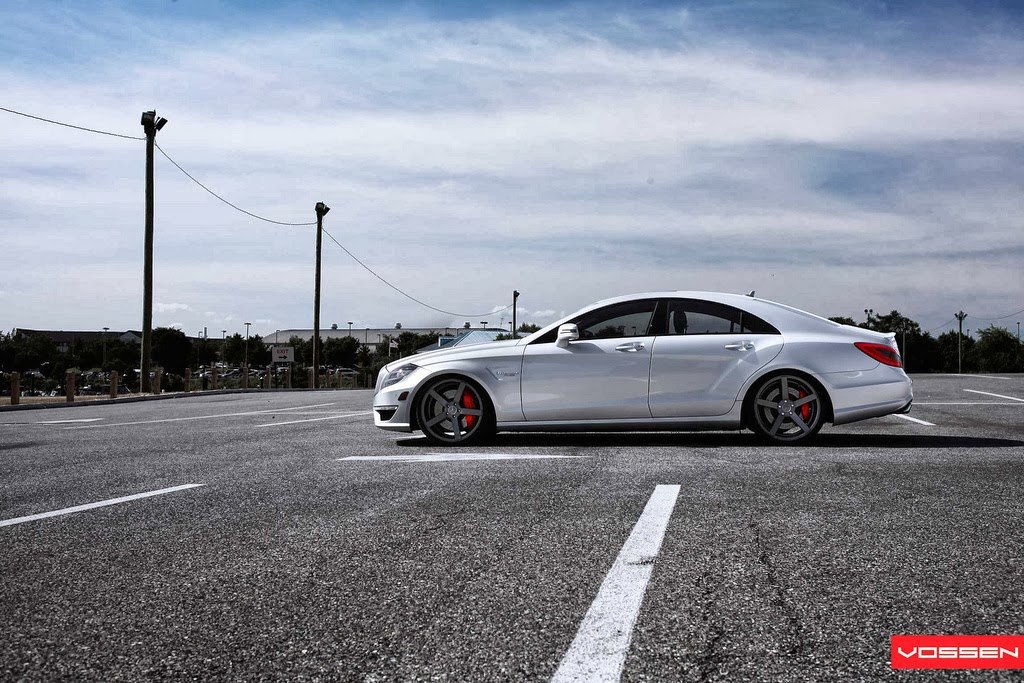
(165, 308)
(836, 161)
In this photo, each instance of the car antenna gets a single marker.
(750, 293)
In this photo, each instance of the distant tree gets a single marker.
(998, 350)
(234, 349)
(23, 353)
(843, 320)
(528, 328)
(259, 352)
(205, 352)
(340, 351)
(172, 350)
(408, 342)
(947, 347)
(303, 349)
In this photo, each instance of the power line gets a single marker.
(940, 326)
(68, 125)
(1002, 317)
(406, 294)
(233, 206)
(258, 217)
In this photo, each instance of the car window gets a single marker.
(628, 319)
(691, 316)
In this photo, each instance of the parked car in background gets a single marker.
(654, 361)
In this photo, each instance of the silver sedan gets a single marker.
(654, 361)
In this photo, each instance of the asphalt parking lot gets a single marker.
(286, 537)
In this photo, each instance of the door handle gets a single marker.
(630, 347)
(740, 346)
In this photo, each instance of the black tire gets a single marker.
(453, 411)
(787, 409)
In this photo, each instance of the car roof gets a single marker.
(773, 312)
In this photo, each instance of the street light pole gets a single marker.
(515, 299)
(151, 123)
(960, 315)
(350, 328)
(105, 329)
(321, 211)
(246, 364)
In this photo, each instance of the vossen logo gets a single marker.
(956, 652)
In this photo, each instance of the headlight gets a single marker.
(398, 374)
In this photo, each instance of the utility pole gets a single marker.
(151, 123)
(515, 298)
(245, 380)
(960, 315)
(321, 211)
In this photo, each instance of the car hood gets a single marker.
(452, 354)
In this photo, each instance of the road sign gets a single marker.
(284, 354)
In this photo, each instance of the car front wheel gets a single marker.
(787, 409)
(453, 412)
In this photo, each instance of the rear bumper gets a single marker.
(871, 393)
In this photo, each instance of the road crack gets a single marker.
(779, 589)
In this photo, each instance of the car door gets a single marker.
(708, 352)
(604, 375)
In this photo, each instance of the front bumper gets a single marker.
(392, 408)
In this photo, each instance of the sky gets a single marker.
(835, 157)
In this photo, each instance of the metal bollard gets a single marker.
(245, 376)
(114, 380)
(266, 378)
(15, 389)
(311, 377)
(157, 376)
(214, 377)
(288, 378)
(69, 386)
(188, 380)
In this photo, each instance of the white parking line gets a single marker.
(452, 457)
(62, 422)
(599, 649)
(990, 377)
(986, 393)
(91, 506)
(201, 417)
(314, 419)
(966, 403)
(914, 419)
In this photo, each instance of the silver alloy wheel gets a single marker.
(452, 412)
(787, 409)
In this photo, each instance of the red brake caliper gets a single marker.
(805, 409)
(469, 402)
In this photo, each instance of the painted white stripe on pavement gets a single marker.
(967, 403)
(100, 504)
(314, 419)
(202, 417)
(987, 393)
(914, 419)
(990, 377)
(62, 422)
(450, 457)
(599, 649)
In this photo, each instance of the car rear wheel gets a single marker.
(787, 409)
(452, 411)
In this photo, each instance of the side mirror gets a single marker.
(566, 334)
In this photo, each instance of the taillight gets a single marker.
(883, 353)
